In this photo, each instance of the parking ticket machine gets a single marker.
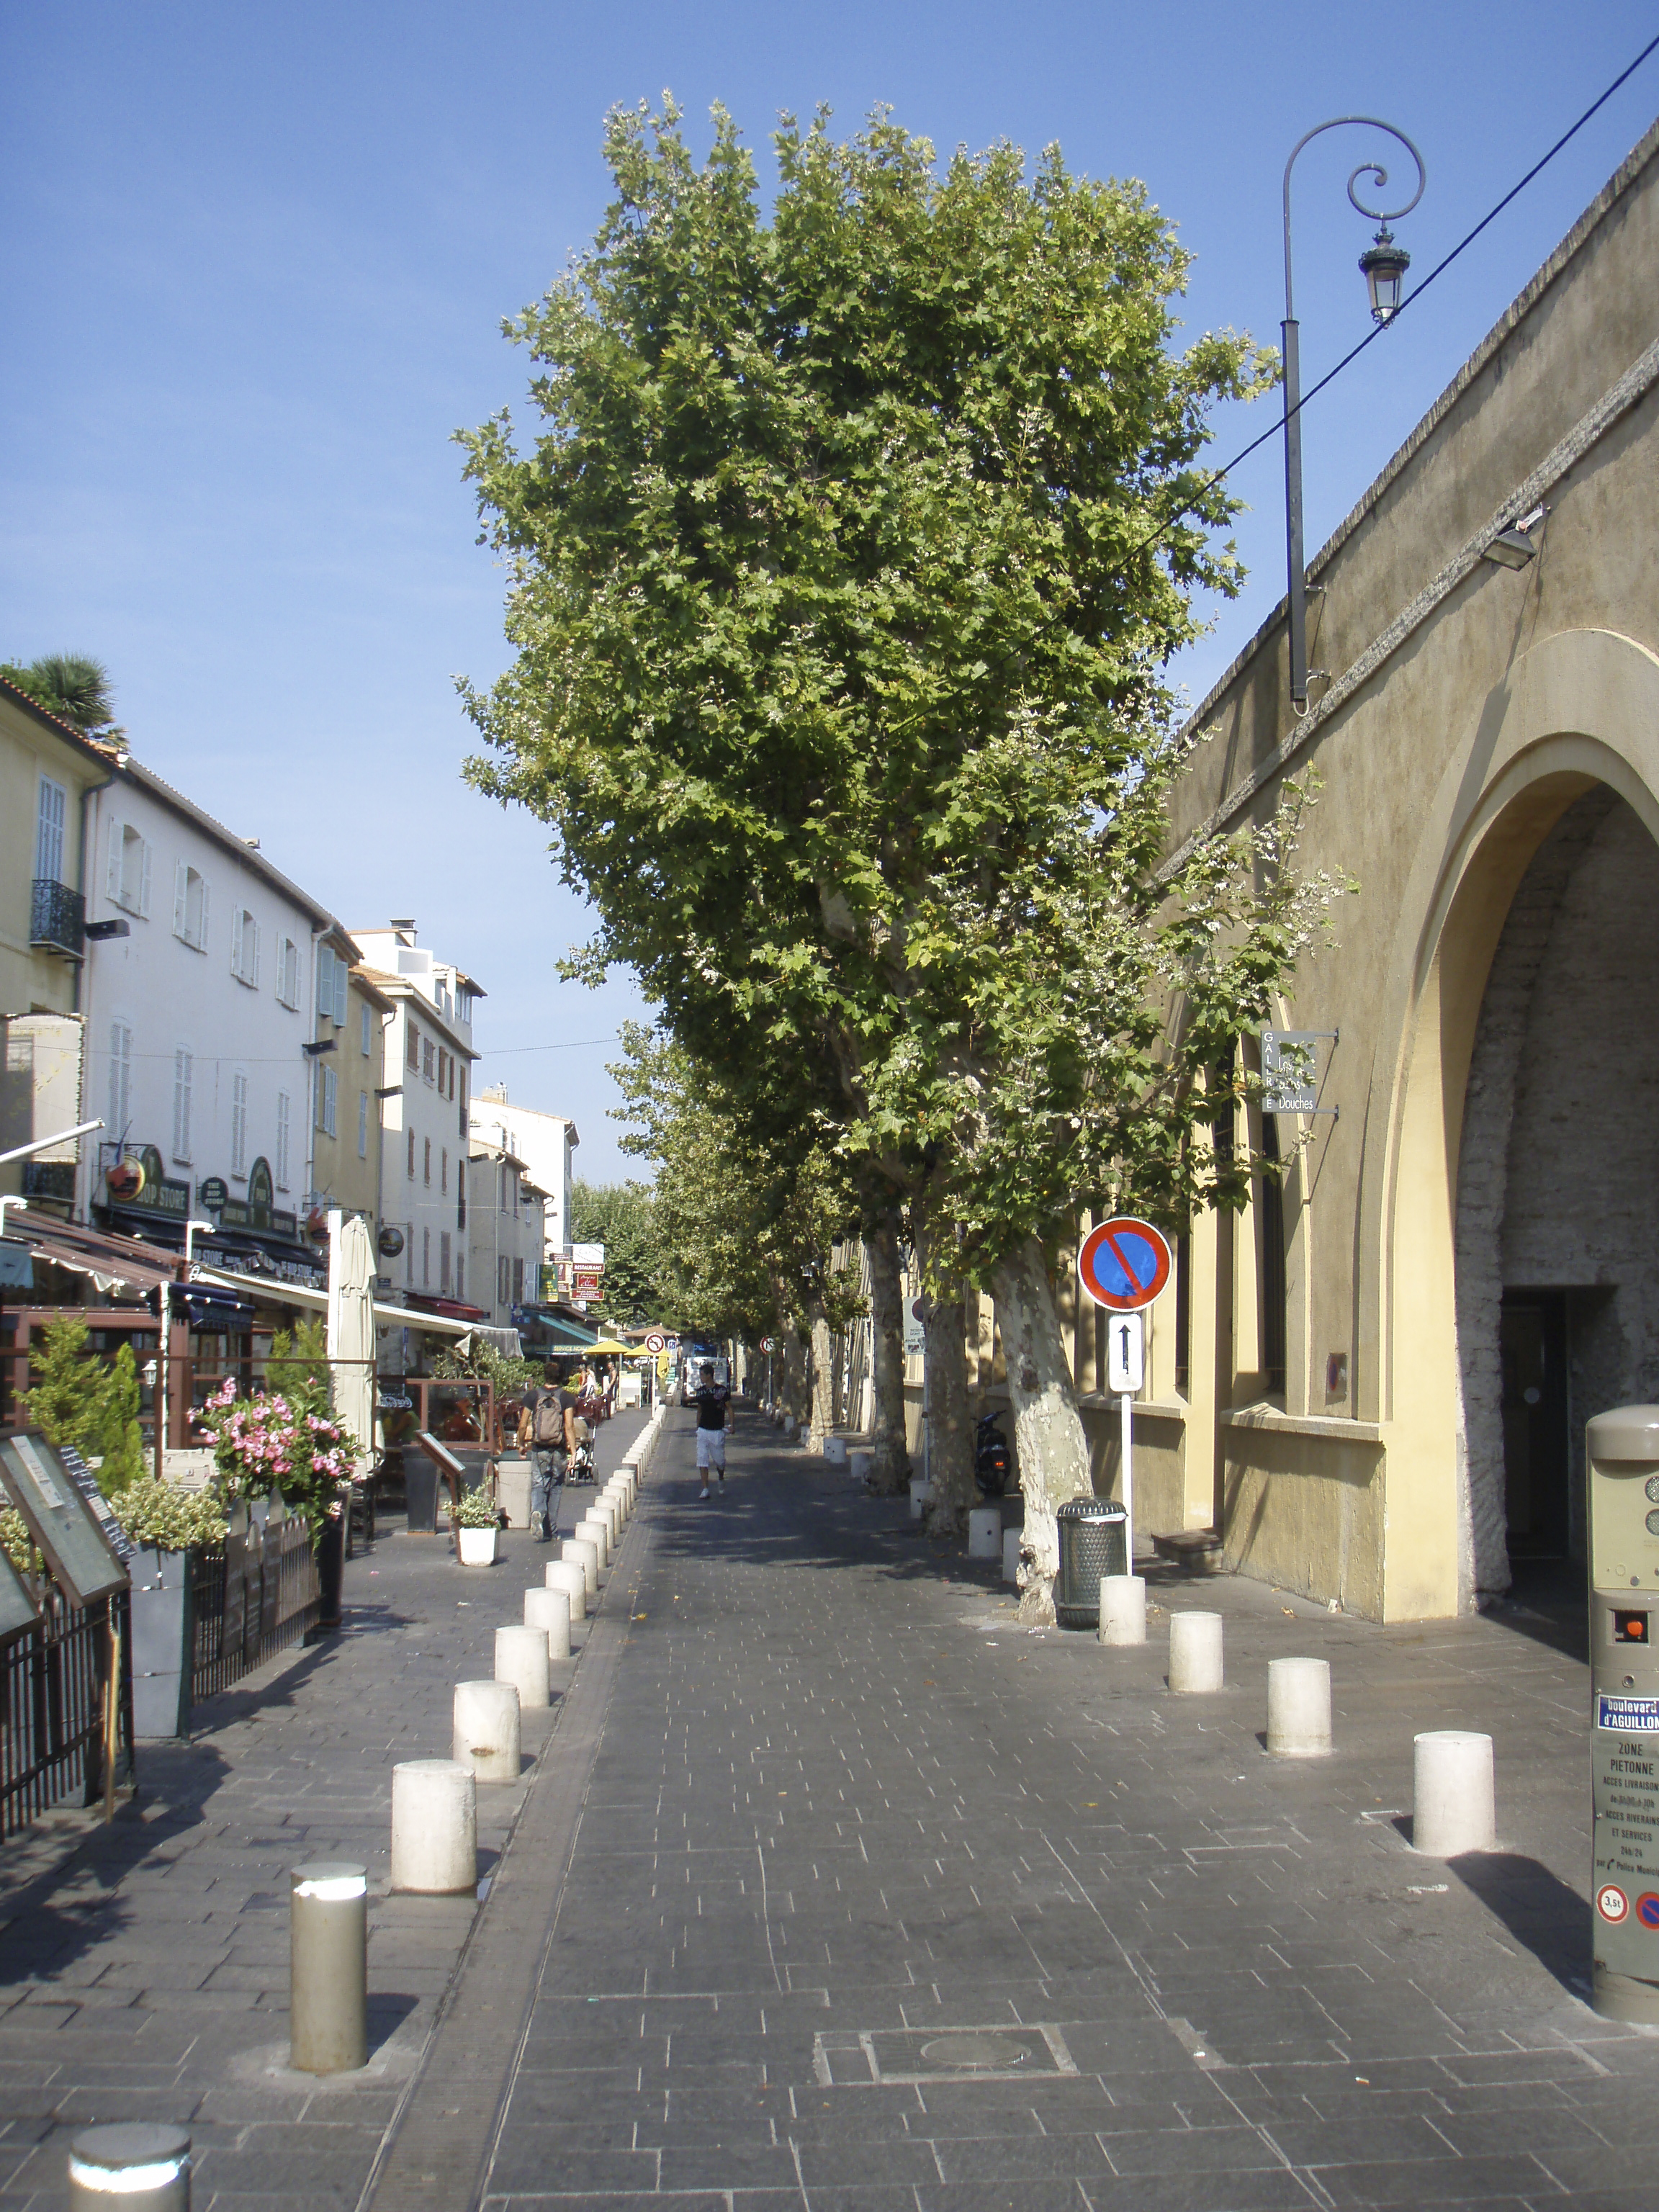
(1622, 1456)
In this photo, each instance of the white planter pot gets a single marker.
(476, 1547)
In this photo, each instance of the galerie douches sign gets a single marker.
(1622, 1452)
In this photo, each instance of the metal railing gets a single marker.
(57, 918)
(251, 1597)
(52, 1708)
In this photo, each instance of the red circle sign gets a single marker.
(1612, 1903)
(1124, 1264)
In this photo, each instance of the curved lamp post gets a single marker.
(1384, 264)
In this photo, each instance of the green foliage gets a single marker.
(81, 1401)
(846, 567)
(71, 686)
(298, 1367)
(17, 1542)
(482, 1362)
(475, 1511)
(621, 1216)
(169, 1519)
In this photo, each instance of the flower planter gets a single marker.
(476, 1547)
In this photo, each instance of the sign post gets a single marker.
(1124, 1265)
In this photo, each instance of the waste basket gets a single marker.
(1093, 1541)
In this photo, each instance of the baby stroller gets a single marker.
(581, 1465)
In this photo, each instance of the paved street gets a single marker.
(874, 1903)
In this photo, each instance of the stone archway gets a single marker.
(1557, 1236)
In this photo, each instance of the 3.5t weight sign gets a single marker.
(1124, 1264)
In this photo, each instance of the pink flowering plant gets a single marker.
(286, 1441)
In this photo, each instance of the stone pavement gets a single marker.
(879, 1903)
(834, 1891)
(144, 1966)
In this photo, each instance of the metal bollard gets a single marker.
(549, 1610)
(1122, 1609)
(434, 1828)
(328, 1967)
(145, 2166)
(566, 1575)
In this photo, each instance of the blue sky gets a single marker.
(257, 261)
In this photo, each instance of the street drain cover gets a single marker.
(964, 2053)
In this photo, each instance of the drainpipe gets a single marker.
(81, 1210)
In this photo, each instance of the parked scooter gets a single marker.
(993, 1461)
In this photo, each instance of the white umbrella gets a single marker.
(351, 1325)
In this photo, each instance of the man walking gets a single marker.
(547, 1427)
(713, 1403)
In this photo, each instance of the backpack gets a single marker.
(547, 1420)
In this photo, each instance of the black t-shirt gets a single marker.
(710, 1402)
(565, 1403)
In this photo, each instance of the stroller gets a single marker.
(581, 1465)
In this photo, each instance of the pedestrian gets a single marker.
(547, 1429)
(713, 1403)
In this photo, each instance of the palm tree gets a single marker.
(76, 687)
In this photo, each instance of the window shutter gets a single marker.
(202, 935)
(236, 944)
(324, 978)
(255, 978)
(362, 1125)
(143, 883)
(341, 977)
(282, 1140)
(113, 864)
(180, 900)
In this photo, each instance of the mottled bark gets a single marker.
(890, 1459)
(821, 1417)
(1050, 1448)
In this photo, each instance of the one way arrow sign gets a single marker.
(1126, 1354)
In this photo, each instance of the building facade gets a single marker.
(48, 772)
(505, 1233)
(429, 1063)
(1379, 1392)
(348, 1074)
(546, 1144)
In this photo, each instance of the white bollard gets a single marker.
(1453, 1800)
(487, 1730)
(1298, 1708)
(985, 1532)
(859, 1464)
(567, 1575)
(133, 2163)
(549, 1610)
(1011, 1554)
(585, 1555)
(434, 1828)
(1122, 1609)
(617, 1493)
(328, 1967)
(1195, 1653)
(522, 1657)
(592, 1529)
(789, 1425)
(605, 1511)
(835, 1450)
(921, 1490)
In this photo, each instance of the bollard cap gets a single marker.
(333, 1880)
(432, 1767)
(128, 2156)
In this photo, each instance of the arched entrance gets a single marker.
(1557, 1240)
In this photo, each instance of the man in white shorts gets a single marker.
(714, 1404)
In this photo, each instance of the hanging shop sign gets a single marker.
(211, 1193)
(390, 1242)
(1290, 1070)
(137, 1183)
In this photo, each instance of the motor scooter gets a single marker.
(993, 1461)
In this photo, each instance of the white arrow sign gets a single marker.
(1126, 1354)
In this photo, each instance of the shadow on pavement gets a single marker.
(1537, 1907)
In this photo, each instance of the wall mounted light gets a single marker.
(1514, 547)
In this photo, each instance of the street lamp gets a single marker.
(1384, 265)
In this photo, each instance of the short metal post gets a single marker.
(136, 2165)
(1126, 1424)
(328, 1969)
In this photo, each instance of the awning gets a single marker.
(269, 1292)
(108, 1260)
(504, 1340)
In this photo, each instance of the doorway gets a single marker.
(1532, 1339)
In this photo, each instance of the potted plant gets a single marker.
(475, 1529)
(169, 1526)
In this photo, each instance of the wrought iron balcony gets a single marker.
(57, 919)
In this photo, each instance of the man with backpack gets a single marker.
(547, 1428)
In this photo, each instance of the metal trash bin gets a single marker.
(1093, 1541)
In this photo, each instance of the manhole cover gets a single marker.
(968, 2052)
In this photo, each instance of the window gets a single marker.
(413, 1046)
(427, 1164)
(181, 1084)
(460, 1275)
(245, 949)
(408, 1257)
(284, 1113)
(500, 1280)
(120, 1081)
(451, 1075)
(341, 984)
(464, 1101)
(367, 1013)
(49, 832)
(126, 874)
(429, 1061)
(426, 1259)
(190, 906)
(287, 974)
(362, 1125)
(518, 1282)
(412, 1156)
(332, 976)
(239, 1125)
(328, 1095)
(443, 1170)
(444, 1262)
(443, 1069)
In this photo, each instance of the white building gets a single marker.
(504, 1233)
(429, 1061)
(198, 1015)
(545, 1142)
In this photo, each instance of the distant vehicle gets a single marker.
(694, 1358)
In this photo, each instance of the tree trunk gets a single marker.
(1050, 1448)
(890, 1459)
(822, 1416)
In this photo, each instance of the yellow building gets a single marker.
(46, 769)
(348, 1074)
